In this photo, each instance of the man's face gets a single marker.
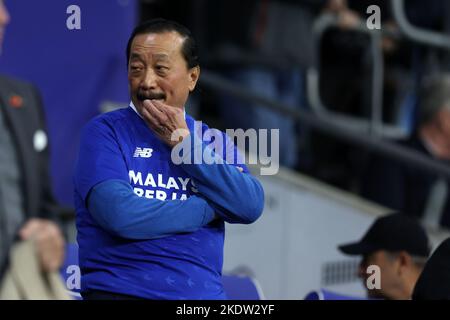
(157, 70)
(389, 279)
(442, 123)
(4, 20)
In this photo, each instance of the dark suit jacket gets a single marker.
(23, 112)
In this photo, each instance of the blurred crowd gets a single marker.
(270, 47)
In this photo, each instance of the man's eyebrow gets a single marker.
(135, 56)
(161, 56)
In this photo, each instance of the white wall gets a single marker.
(302, 224)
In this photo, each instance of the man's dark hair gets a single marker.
(159, 25)
(434, 95)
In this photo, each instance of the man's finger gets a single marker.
(160, 116)
(30, 228)
(154, 123)
(164, 108)
(50, 246)
(149, 116)
(151, 106)
(160, 105)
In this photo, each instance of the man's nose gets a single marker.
(149, 80)
(4, 14)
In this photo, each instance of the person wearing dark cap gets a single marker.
(399, 246)
(434, 282)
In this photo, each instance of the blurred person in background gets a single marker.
(346, 86)
(434, 282)
(346, 79)
(267, 50)
(402, 187)
(27, 208)
(399, 246)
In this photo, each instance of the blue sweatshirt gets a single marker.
(148, 227)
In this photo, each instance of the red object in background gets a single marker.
(16, 101)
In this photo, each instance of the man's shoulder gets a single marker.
(196, 125)
(207, 133)
(106, 121)
(32, 112)
(200, 124)
(111, 116)
(14, 83)
(382, 165)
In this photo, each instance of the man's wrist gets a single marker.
(178, 136)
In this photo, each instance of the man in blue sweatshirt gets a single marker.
(149, 227)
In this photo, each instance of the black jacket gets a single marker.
(24, 119)
(400, 186)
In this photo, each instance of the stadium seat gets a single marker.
(242, 288)
(323, 294)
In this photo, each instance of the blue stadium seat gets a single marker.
(323, 294)
(242, 288)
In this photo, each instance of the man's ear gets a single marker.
(404, 260)
(194, 74)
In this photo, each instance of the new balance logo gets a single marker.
(143, 153)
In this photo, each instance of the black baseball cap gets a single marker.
(393, 232)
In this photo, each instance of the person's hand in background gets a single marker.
(336, 6)
(347, 18)
(49, 242)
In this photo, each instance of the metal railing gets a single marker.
(375, 124)
(348, 128)
(415, 34)
(407, 31)
(328, 126)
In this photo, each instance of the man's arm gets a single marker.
(48, 208)
(116, 208)
(102, 181)
(44, 227)
(237, 196)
